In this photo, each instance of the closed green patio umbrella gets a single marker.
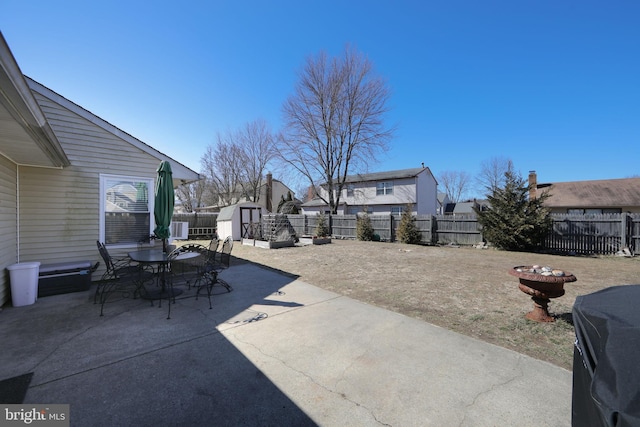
(164, 200)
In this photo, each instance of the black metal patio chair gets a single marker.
(188, 266)
(121, 276)
(217, 262)
(214, 246)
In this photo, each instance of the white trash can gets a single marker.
(24, 283)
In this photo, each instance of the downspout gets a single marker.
(17, 213)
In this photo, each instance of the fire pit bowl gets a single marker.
(542, 283)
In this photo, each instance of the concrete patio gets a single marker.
(275, 351)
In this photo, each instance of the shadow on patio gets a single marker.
(135, 367)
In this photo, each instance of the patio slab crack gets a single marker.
(313, 380)
(516, 376)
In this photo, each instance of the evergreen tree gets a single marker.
(364, 228)
(407, 230)
(322, 230)
(281, 203)
(513, 221)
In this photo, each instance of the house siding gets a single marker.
(364, 193)
(564, 210)
(427, 195)
(419, 190)
(8, 224)
(278, 190)
(60, 208)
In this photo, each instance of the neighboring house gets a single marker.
(68, 178)
(277, 190)
(466, 207)
(590, 197)
(383, 193)
(443, 201)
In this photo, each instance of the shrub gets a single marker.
(513, 221)
(364, 229)
(322, 230)
(407, 230)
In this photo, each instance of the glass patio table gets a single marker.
(162, 260)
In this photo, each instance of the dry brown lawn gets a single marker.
(463, 289)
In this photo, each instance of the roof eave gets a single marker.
(19, 101)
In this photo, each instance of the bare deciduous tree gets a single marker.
(221, 166)
(492, 173)
(334, 121)
(235, 167)
(255, 145)
(455, 184)
(191, 195)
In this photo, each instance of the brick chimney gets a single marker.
(533, 185)
(269, 192)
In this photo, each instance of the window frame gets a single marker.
(104, 179)
(384, 188)
(350, 190)
(397, 210)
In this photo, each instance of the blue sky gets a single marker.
(553, 85)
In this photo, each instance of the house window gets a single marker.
(383, 188)
(361, 210)
(354, 210)
(397, 210)
(125, 209)
(350, 188)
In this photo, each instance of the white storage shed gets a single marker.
(240, 221)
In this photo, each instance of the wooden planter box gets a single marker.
(268, 245)
(315, 240)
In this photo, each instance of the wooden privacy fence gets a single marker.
(580, 234)
(201, 225)
(594, 233)
(459, 229)
(343, 226)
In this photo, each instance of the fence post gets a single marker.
(624, 238)
(330, 225)
(433, 227)
(392, 237)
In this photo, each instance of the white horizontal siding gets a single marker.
(364, 193)
(427, 194)
(60, 209)
(8, 232)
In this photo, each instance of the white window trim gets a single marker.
(387, 188)
(399, 209)
(151, 185)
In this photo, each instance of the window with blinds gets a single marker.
(126, 209)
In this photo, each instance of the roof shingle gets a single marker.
(600, 193)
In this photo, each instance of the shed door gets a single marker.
(250, 222)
